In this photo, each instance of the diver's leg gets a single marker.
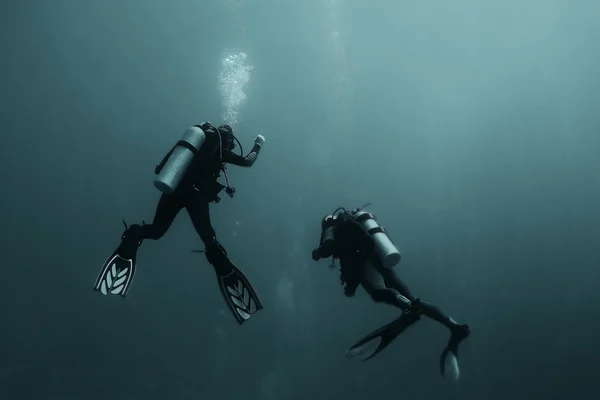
(458, 333)
(118, 271)
(376, 341)
(374, 283)
(199, 212)
(236, 289)
(393, 281)
(167, 209)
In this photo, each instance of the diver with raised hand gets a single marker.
(188, 178)
(368, 257)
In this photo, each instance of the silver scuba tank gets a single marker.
(327, 234)
(180, 160)
(326, 244)
(385, 250)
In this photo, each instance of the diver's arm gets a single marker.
(329, 244)
(240, 161)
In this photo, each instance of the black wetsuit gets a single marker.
(354, 247)
(344, 237)
(198, 188)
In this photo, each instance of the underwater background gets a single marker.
(472, 126)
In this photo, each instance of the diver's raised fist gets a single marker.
(260, 140)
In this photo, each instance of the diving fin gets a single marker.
(449, 358)
(369, 346)
(237, 290)
(239, 294)
(118, 271)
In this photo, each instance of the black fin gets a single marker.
(381, 338)
(456, 338)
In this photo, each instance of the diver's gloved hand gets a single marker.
(260, 140)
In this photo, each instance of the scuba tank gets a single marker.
(326, 243)
(179, 160)
(385, 250)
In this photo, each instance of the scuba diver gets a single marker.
(368, 257)
(187, 177)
